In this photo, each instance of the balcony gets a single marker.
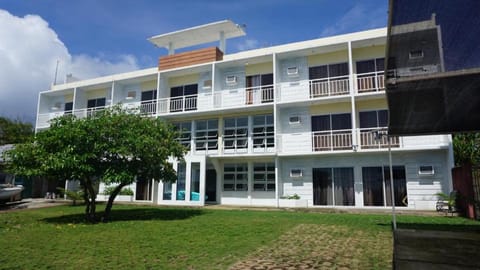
(370, 82)
(368, 140)
(244, 96)
(332, 140)
(177, 104)
(326, 87)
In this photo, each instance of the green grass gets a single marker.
(142, 237)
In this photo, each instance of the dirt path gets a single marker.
(310, 246)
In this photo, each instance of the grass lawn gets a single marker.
(143, 237)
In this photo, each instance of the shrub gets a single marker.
(125, 191)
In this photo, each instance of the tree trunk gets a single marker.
(111, 198)
(90, 207)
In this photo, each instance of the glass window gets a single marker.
(235, 177)
(373, 119)
(206, 134)
(195, 182)
(263, 131)
(181, 180)
(185, 132)
(264, 176)
(235, 133)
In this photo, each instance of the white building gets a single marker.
(265, 124)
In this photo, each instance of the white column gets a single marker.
(171, 48)
(352, 95)
(188, 176)
(277, 181)
(250, 181)
(250, 134)
(223, 42)
(203, 171)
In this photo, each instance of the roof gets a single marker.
(198, 35)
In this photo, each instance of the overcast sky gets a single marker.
(93, 38)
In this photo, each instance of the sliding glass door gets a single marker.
(333, 186)
(376, 186)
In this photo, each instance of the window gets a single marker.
(68, 108)
(183, 98)
(333, 186)
(372, 65)
(185, 131)
(331, 122)
(264, 176)
(148, 105)
(235, 177)
(373, 119)
(94, 105)
(181, 181)
(376, 186)
(263, 131)
(259, 89)
(167, 190)
(96, 102)
(206, 134)
(235, 133)
(370, 75)
(328, 71)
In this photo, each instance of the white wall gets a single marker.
(421, 190)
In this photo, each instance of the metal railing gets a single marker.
(368, 139)
(332, 86)
(332, 140)
(370, 82)
(177, 104)
(259, 94)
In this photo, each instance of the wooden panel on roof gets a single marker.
(190, 58)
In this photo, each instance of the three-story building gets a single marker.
(266, 124)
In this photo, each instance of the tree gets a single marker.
(112, 146)
(14, 131)
(466, 148)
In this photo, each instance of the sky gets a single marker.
(92, 38)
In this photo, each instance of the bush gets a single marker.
(291, 197)
(72, 195)
(125, 191)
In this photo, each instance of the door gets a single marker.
(322, 186)
(211, 186)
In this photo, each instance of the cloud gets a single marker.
(29, 50)
(248, 44)
(359, 17)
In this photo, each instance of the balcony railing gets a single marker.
(81, 113)
(148, 107)
(177, 104)
(259, 94)
(333, 86)
(332, 140)
(369, 140)
(243, 96)
(370, 82)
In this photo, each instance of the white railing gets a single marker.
(259, 94)
(333, 86)
(368, 139)
(230, 98)
(81, 113)
(370, 82)
(148, 107)
(332, 140)
(177, 104)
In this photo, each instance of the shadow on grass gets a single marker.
(140, 214)
(472, 228)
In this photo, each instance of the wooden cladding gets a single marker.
(190, 58)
